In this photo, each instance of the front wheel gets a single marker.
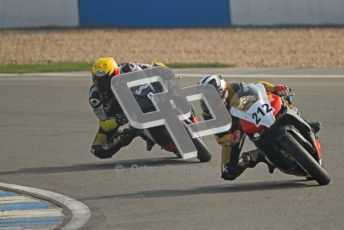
(203, 153)
(305, 160)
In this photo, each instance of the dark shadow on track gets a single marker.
(214, 189)
(123, 164)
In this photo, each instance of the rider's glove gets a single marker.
(281, 90)
(158, 64)
(230, 139)
(130, 67)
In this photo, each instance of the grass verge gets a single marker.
(39, 68)
(64, 67)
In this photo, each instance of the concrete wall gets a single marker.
(168, 13)
(38, 13)
(154, 13)
(287, 12)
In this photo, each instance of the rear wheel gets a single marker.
(203, 153)
(305, 160)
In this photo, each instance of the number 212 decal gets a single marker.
(255, 116)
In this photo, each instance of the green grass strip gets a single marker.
(39, 68)
(65, 67)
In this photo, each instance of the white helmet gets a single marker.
(215, 80)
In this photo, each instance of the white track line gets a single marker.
(31, 213)
(80, 212)
(21, 228)
(15, 199)
(263, 76)
(77, 75)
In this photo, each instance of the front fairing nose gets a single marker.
(262, 113)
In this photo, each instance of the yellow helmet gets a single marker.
(102, 71)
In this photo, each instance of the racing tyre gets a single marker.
(203, 153)
(305, 160)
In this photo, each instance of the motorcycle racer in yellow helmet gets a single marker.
(107, 108)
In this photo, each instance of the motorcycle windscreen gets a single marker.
(253, 105)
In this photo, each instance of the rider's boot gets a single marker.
(254, 157)
(232, 164)
(105, 146)
(149, 142)
(315, 125)
(231, 171)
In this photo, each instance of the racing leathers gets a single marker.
(111, 118)
(232, 163)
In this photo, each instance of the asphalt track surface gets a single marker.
(47, 127)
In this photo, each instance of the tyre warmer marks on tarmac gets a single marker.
(18, 210)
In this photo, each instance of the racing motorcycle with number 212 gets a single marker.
(279, 132)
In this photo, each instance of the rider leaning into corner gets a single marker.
(233, 164)
(107, 108)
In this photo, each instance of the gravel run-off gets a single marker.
(243, 47)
